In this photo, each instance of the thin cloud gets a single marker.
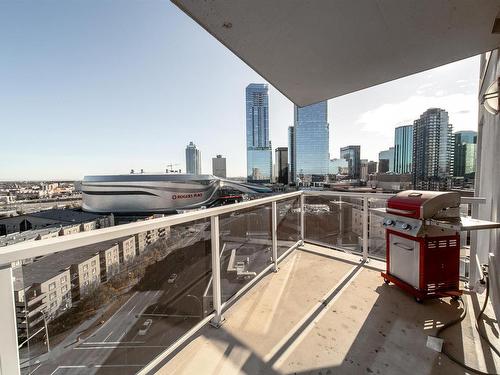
(383, 119)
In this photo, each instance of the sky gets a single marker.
(106, 86)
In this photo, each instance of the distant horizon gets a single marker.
(73, 108)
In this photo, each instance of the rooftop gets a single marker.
(52, 265)
(28, 235)
(66, 215)
(326, 313)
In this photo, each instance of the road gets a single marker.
(117, 347)
(174, 308)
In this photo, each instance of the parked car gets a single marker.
(172, 278)
(145, 327)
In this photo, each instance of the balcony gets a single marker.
(325, 312)
(324, 309)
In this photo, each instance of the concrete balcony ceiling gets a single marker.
(317, 50)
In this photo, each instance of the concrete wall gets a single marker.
(488, 176)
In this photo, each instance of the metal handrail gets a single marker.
(31, 249)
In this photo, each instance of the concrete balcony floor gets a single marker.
(324, 313)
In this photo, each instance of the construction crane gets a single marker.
(170, 168)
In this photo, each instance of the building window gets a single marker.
(64, 289)
(93, 263)
(85, 267)
(52, 286)
(52, 296)
(63, 280)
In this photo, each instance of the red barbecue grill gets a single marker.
(423, 258)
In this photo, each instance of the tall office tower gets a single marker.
(193, 159)
(464, 159)
(291, 155)
(259, 151)
(386, 160)
(281, 160)
(311, 142)
(352, 155)
(432, 151)
(403, 149)
(219, 166)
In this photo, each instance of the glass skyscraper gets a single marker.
(193, 159)
(311, 141)
(403, 149)
(432, 151)
(353, 156)
(464, 164)
(291, 154)
(386, 160)
(259, 151)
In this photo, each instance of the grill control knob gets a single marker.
(406, 226)
(389, 222)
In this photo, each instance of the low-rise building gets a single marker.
(127, 249)
(70, 229)
(85, 274)
(140, 242)
(54, 218)
(109, 257)
(152, 236)
(42, 290)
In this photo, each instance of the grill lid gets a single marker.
(421, 204)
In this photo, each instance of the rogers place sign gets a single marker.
(186, 196)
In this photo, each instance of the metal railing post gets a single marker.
(274, 220)
(475, 272)
(216, 284)
(365, 228)
(302, 222)
(9, 354)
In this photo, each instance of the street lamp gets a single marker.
(46, 330)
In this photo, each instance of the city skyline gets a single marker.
(110, 118)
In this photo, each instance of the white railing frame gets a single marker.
(31, 249)
(216, 281)
(274, 234)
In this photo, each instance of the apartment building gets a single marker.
(41, 291)
(109, 257)
(140, 242)
(85, 273)
(127, 249)
(70, 229)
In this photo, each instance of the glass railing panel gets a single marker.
(376, 230)
(288, 220)
(245, 247)
(335, 221)
(114, 304)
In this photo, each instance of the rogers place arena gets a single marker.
(156, 193)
